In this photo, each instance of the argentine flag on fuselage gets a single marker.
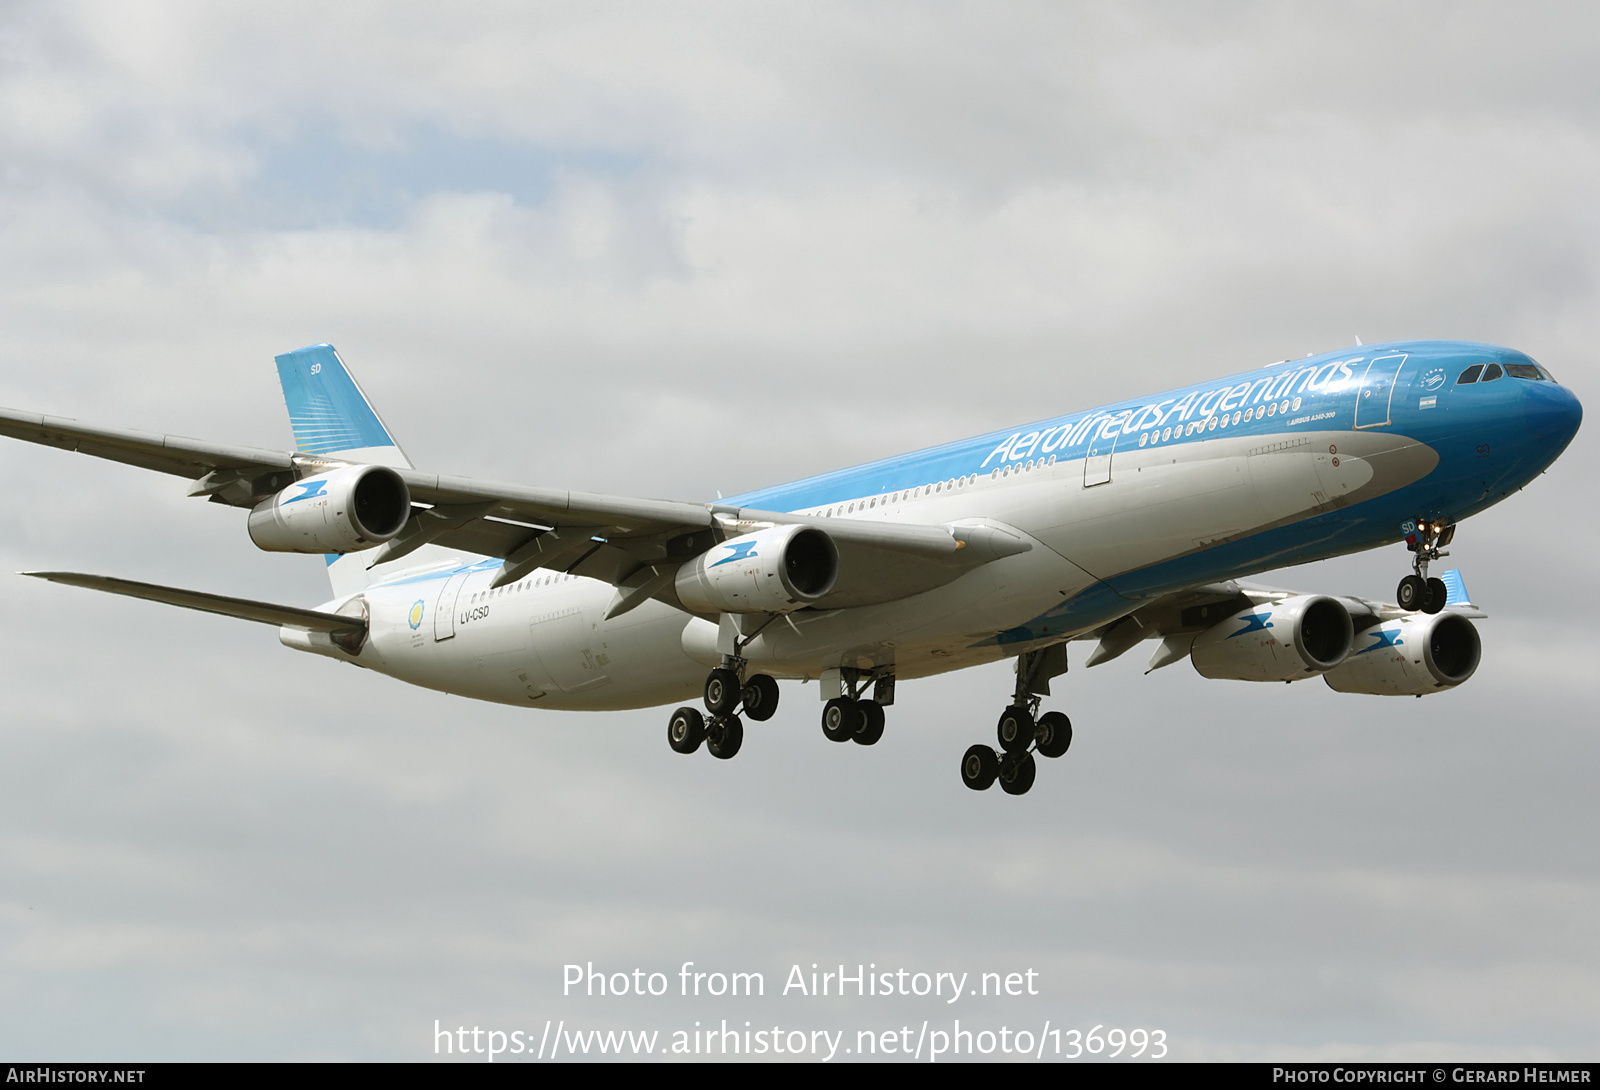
(332, 418)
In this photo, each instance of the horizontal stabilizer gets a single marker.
(243, 608)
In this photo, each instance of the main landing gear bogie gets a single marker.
(725, 695)
(1020, 738)
(1417, 591)
(1021, 732)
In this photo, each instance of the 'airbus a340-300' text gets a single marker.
(1127, 523)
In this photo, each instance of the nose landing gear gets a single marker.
(1424, 539)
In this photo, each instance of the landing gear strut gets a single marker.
(725, 693)
(1417, 591)
(1022, 731)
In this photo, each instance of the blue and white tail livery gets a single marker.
(329, 414)
(1129, 523)
(332, 418)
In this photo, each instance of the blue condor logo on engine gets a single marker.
(1198, 405)
(1256, 622)
(741, 550)
(313, 489)
(1383, 637)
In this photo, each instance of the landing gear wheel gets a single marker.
(760, 697)
(1437, 593)
(722, 691)
(724, 736)
(841, 718)
(1015, 729)
(979, 766)
(1054, 733)
(686, 730)
(1412, 593)
(871, 723)
(1016, 773)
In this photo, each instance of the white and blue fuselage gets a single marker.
(1291, 463)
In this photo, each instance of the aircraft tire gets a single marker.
(979, 767)
(1016, 773)
(1054, 733)
(1412, 593)
(722, 691)
(686, 730)
(724, 737)
(1437, 593)
(760, 698)
(871, 728)
(841, 718)
(1015, 729)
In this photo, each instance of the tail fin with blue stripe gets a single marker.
(329, 413)
(331, 417)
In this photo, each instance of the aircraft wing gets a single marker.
(1176, 619)
(243, 608)
(629, 542)
(191, 458)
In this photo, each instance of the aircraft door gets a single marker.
(1097, 456)
(1377, 391)
(444, 611)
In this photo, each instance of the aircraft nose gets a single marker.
(1552, 413)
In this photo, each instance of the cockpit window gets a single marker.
(1491, 373)
(1524, 370)
(1545, 371)
(1470, 374)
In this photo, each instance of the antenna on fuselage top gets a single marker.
(1358, 340)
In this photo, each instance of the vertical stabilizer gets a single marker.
(331, 417)
(329, 413)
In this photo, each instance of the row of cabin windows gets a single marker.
(909, 494)
(521, 585)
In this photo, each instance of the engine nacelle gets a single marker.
(1411, 656)
(771, 571)
(1298, 637)
(343, 511)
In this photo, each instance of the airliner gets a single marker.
(1132, 522)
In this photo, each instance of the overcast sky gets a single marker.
(676, 249)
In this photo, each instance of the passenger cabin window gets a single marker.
(1470, 374)
(1491, 373)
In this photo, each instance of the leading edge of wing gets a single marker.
(173, 454)
(243, 608)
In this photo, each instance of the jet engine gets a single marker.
(1415, 655)
(343, 511)
(777, 570)
(1298, 637)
